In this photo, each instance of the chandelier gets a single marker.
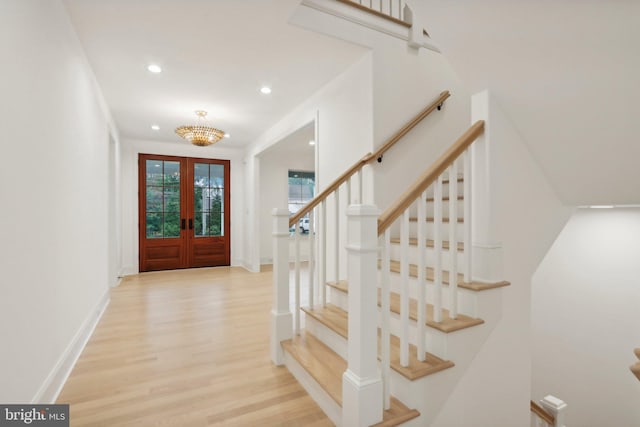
(200, 134)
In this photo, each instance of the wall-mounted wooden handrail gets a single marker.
(370, 157)
(539, 411)
(429, 176)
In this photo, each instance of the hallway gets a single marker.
(186, 348)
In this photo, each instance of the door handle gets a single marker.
(182, 225)
(190, 223)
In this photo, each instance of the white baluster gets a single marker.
(349, 201)
(437, 245)
(422, 258)
(296, 313)
(385, 308)
(359, 186)
(312, 261)
(453, 240)
(404, 292)
(336, 252)
(467, 216)
(323, 243)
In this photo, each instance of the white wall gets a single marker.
(274, 186)
(53, 187)
(495, 390)
(404, 81)
(130, 149)
(342, 110)
(585, 318)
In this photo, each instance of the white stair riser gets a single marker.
(444, 230)
(338, 298)
(413, 230)
(414, 256)
(445, 208)
(331, 339)
(436, 341)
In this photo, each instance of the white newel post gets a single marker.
(362, 395)
(281, 317)
(486, 253)
(555, 407)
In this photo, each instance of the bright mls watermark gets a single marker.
(34, 415)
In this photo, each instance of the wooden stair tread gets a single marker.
(337, 320)
(322, 363)
(447, 325)
(397, 414)
(327, 367)
(341, 285)
(444, 199)
(637, 352)
(473, 286)
(416, 368)
(445, 220)
(331, 316)
(413, 241)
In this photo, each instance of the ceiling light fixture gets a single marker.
(266, 90)
(312, 143)
(154, 68)
(200, 134)
(155, 127)
(227, 135)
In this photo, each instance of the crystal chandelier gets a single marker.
(200, 134)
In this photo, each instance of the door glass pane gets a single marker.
(162, 199)
(154, 199)
(201, 175)
(171, 199)
(154, 224)
(154, 172)
(201, 224)
(171, 173)
(208, 199)
(171, 224)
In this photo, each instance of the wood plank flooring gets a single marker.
(187, 348)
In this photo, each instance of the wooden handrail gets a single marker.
(429, 176)
(370, 157)
(539, 411)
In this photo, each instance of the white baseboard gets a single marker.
(52, 386)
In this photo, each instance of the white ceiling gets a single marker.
(215, 55)
(567, 73)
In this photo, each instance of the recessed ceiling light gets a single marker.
(154, 68)
(312, 143)
(265, 89)
(155, 127)
(227, 135)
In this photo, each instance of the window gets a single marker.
(301, 189)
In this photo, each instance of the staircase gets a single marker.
(385, 342)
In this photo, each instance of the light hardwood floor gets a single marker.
(187, 348)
